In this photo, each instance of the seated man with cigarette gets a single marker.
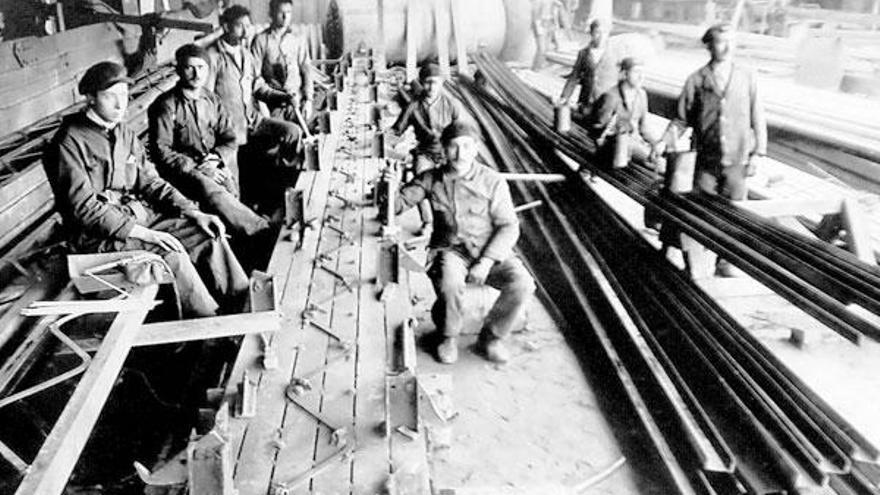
(111, 198)
(475, 230)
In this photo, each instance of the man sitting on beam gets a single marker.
(112, 199)
(475, 230)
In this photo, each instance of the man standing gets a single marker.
(720, 102)
(282, 54)
(545, 26)
(620, 114)
(193, 143)
(268, 145)
(475, 230)
(431, 112)
(112, 199)
(594, 69)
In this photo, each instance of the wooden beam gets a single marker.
(60, 452)
(534, 177)
(858, 237)
(461, 40)
(214, 327)
(792, 207)
(441, 33)
(411, 40)
(154, 21)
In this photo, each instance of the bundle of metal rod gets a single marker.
(724, 415)
(819, 278)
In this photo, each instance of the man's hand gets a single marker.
(479, 271)
(213, 168)
(657, 150)
(210, 224)
(162, 239)
(755, 160)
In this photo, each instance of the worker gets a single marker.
(111, 198)
(720, 102)
(475, 230)
(620, 116)
(267, 145)
(595, 70)
(282, 53)
(545, 26)
(194, 145)
(428, 114)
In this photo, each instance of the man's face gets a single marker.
(283, 15)
(461, 152)
(432, 86)
(721, 47)
(237, 30)
(634, 76)
(193, 72)
(110, 103)
(598, 33)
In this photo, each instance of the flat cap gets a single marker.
(715, 30)
(101, 76)
(429, 70)
(629, 62)
(191, 51)
(458, 129)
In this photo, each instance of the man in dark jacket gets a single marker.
(112, 199)
(194, 144)
(475, 231)
(595, 70)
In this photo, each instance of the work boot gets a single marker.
(493, 348)
(447, 351)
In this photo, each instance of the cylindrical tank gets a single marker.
(352, 22)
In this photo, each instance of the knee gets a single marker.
(521, 284)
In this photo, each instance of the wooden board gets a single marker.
(441, 30)
(167, 332)
(19, 216)
(31, 50)
(57, 457)
(461, 37)
(412, 40)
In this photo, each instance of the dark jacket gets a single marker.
(595, 76)
(729, 122)
(473, 214)
(428, 122)
(630, 118)
(239, 86)
(103, 182)
(183, 130)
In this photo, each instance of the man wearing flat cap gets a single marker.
(194, 145)
(475, 231)
(595, 70)
(428, 114)
(622, 111)
(111, 198)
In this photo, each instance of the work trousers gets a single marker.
(221, 200)
(727, 182)
(448, 273)
(206, 273)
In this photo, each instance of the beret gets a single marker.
(715, 30)
(101, 76)
(458, 129)
(429, 70)
(191, 51)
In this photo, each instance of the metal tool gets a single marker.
(338, 435)
(287, 487)
(337, 276)
(325, 255)
(345, 235)
(299, 385)
(329, 332)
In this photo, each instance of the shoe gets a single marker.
(495, 350)
(447, 351)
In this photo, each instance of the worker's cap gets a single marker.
(458, 129)
(629, 62)
(101, 76)
(191, 51)
(429, 70)
(598, 22)
(712, 32)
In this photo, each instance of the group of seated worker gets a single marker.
(180, 196)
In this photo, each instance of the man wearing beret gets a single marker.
(268, 145)
(720, 101)
(594, 70)
(112, 199)
(475, 231)
(194, 146)
(623, 110)
(428, 114)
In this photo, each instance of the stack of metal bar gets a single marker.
(724, 415)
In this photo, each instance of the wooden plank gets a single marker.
(55, 461)
(21, 215)
(33, 109)
(441, 31)
(412, 40)
(789, 207)
(21, 183)
(857, 234)
(168, 332)
(461, 37)
(257, 458)
(31, 50)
